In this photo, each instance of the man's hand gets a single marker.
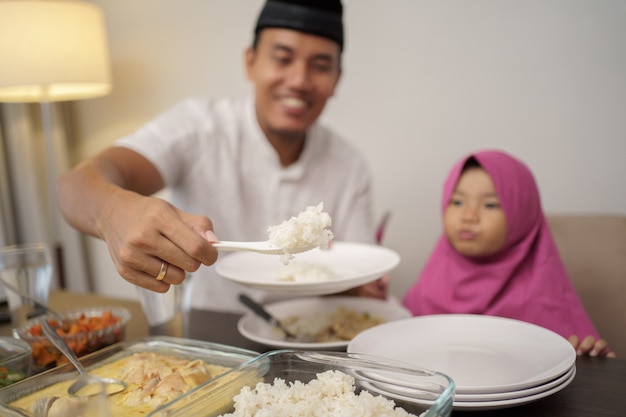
(143, 232)
(375, 289)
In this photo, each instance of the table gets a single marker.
(598, 390)
(61, 300)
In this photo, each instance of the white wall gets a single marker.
(424, 83)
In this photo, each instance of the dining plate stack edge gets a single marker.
(495, 362)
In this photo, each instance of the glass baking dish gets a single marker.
(211, 353)
(418, 391)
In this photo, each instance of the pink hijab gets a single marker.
(526, 280)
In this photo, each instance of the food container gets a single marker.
(418, 391)
(99, 327)
(211, 353)
(15, 360)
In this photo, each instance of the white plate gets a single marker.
(499, 396)
(383, 388)
(492, 405)
(482, 354)
(256, 329)
(351, 264)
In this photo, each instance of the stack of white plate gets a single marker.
(495, 362)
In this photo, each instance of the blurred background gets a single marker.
(424, 83)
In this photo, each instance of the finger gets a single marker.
(376, 289)
(384, 280)
(210, 236)
(171, 257)
(190, 235)
(175, 275)
(135, 260)
(599, 348)
(147, 257)
(573, 339)
(175, 248)
(171, 235)
(382, 285)
(151, 282)
(140, 268)
(369, 292)
(586, 345)
(143, 279)
(170, 273)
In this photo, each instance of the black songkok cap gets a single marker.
(317, 17)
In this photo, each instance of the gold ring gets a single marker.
(162, 271)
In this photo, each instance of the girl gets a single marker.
(497, 255)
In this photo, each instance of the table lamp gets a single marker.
(52, 50)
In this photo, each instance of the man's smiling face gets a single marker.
(294, 75)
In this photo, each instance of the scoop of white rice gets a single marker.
(308, 229)
(332, 393)
(305, 272)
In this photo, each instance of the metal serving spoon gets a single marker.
(260, 311)
(81, 387)
(260, 247)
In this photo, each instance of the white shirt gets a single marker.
(217, 162)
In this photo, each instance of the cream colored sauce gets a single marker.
(153, 379)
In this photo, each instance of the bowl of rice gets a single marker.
(293, 383)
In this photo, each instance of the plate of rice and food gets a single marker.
(309, 262)
(320, 323)
(342, 266)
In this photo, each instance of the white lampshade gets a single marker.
(53, 50)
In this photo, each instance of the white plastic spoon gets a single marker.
(260, 247)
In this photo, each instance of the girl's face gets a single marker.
(474, 221)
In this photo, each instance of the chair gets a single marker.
(593, 249)
(381, 227)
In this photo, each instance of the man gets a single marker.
(245, 164)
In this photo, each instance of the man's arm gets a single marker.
(108, 196)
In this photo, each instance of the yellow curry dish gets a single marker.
(153, 379)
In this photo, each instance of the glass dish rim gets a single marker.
(441, 406)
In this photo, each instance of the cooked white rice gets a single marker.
(331, 394)
(309, 228)
(305, 272)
